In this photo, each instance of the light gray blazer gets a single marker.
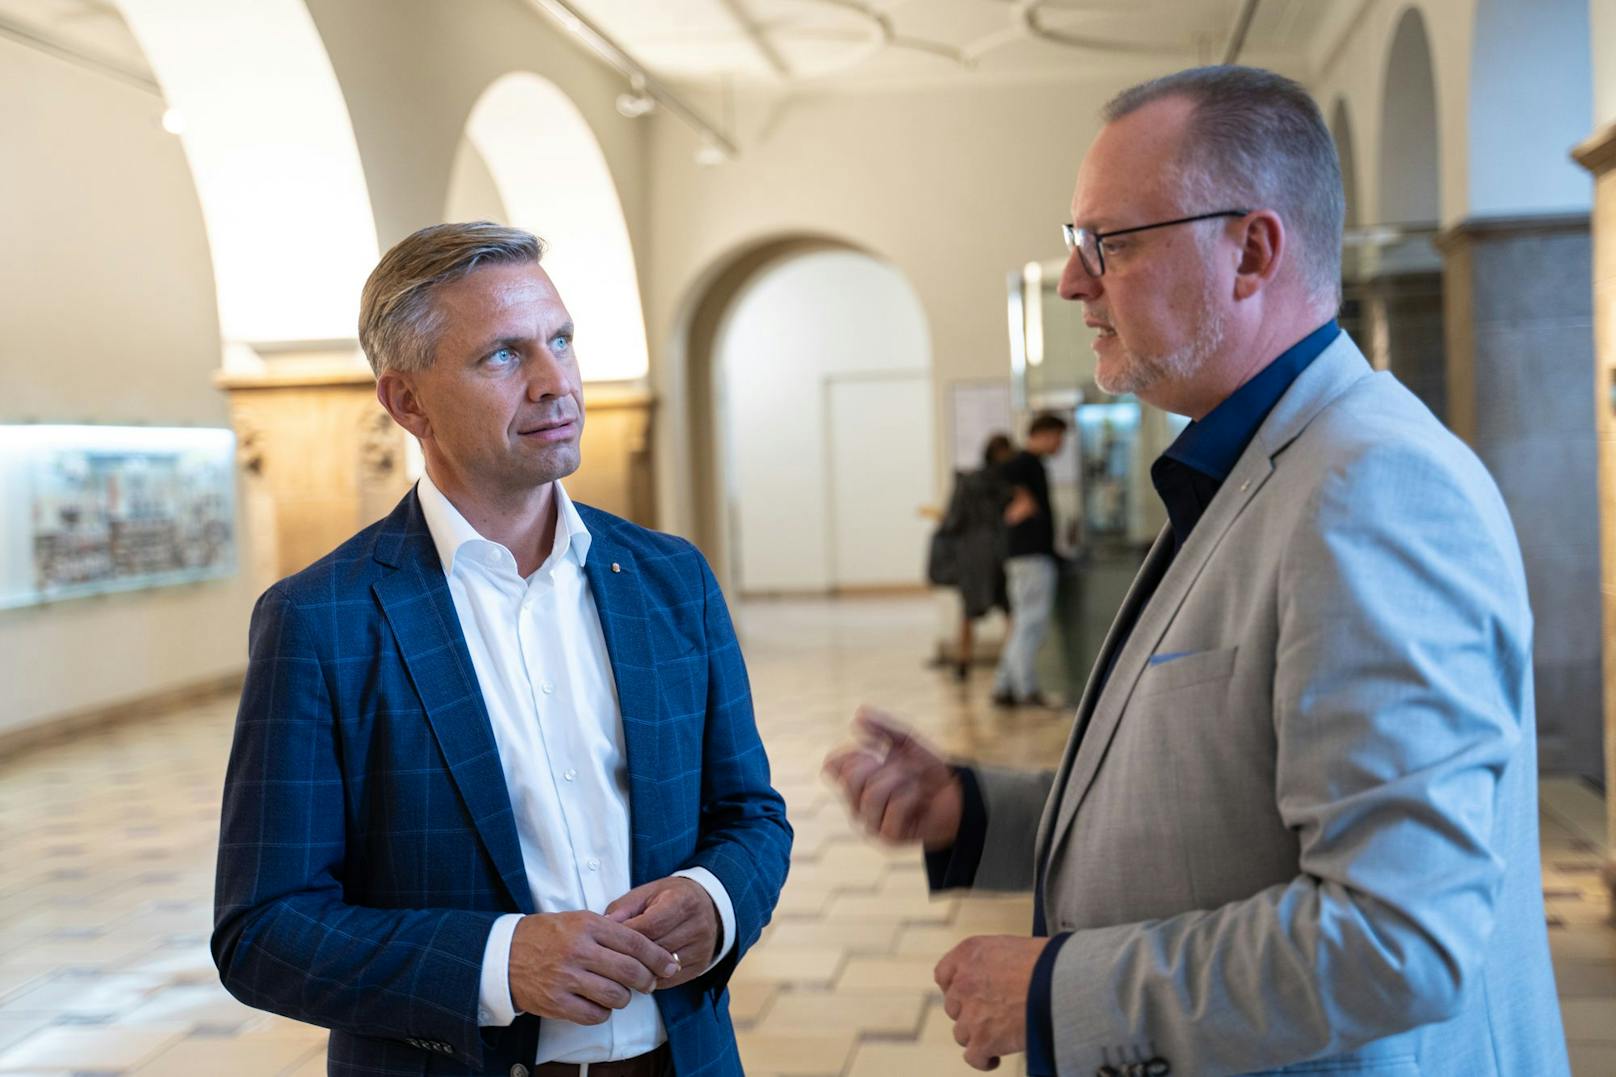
(1301, 828)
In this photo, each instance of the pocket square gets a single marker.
(1161, 659)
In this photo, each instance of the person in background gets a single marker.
(974, 523)
(1031, 567)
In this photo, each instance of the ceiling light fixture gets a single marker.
(642, 82)
(636, 102)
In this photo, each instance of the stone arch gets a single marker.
(271, 148)
(1409, 185)
(553, 179)
(717, 293)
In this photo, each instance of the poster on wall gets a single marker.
(91, 509)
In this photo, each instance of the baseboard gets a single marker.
(65, 727)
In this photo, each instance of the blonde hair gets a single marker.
(398, 322)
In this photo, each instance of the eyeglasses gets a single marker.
(1090, 246)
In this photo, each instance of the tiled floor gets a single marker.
(106, 877)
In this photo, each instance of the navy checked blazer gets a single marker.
(367, 843)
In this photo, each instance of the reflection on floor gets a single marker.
(106, 861)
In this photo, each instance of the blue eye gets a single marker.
(561, 343)
(502, 357)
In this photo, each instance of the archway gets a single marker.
(271, 147)
(809, 404)
(529, 158)
(1400, 281)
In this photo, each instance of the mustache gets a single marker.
(561, 414)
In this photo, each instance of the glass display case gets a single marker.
(91, 509)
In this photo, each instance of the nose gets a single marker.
(1076, 282)
(550, 376)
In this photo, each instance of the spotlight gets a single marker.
(635, 105)
(173, 122)
(710, 153)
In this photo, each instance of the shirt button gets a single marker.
(570, 775)
(547, 688)
(594, 865)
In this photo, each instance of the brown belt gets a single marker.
(655, 1063)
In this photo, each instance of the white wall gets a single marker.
(473, 194)
(1602, 38)
(1531, 100)
(800, 324)
(110, 317)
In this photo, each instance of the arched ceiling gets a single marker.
(859, 42)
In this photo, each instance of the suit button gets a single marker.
(1158, 1067)
(518, 1070)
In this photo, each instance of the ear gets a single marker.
(397, 393)
(1262, 245)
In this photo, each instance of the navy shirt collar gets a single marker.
(1213, 445)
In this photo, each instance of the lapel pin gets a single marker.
(1245, 486)
(616, 567)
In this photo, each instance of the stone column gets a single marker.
(1598, 155)
(1520, 345)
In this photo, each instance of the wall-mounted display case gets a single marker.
(91, 509)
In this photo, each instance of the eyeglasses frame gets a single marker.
(1071, 233)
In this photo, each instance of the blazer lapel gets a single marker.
(419, 609)
(1332, 373)
(614, 581)
(1139, 592)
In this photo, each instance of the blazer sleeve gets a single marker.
(1402, 679)
(285, 938)
(745, 839)
(1014, 802)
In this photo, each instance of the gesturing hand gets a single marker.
(985, 981)
(898, 787)
(579, 966)
(678, 915)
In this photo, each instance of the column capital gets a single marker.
(1598, 152)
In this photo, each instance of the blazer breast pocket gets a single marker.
(1170, 672)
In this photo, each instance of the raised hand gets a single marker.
(898, 787)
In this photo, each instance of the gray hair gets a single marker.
(1258, 141)
(398, 321)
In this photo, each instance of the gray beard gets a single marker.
(1140, 372)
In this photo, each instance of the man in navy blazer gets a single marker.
(496, 802)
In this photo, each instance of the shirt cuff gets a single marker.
(1040, 1011)
(726, 909)
(494, 1005)
(956, 865)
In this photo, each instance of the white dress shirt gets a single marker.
(546, 678)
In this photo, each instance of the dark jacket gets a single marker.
(973, 529)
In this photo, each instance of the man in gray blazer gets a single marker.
(1295, 824)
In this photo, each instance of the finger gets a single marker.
(580, 1011)
(872, 805)
(620, 969)
(946, 969)
(630, 904)
(979, 1059)
(630, 943)
(882, 728)
(665, 912)
(602, 990)
(898, 822)
(853, 768)
(837, 761)
(953, 1005)
(962, 1036)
